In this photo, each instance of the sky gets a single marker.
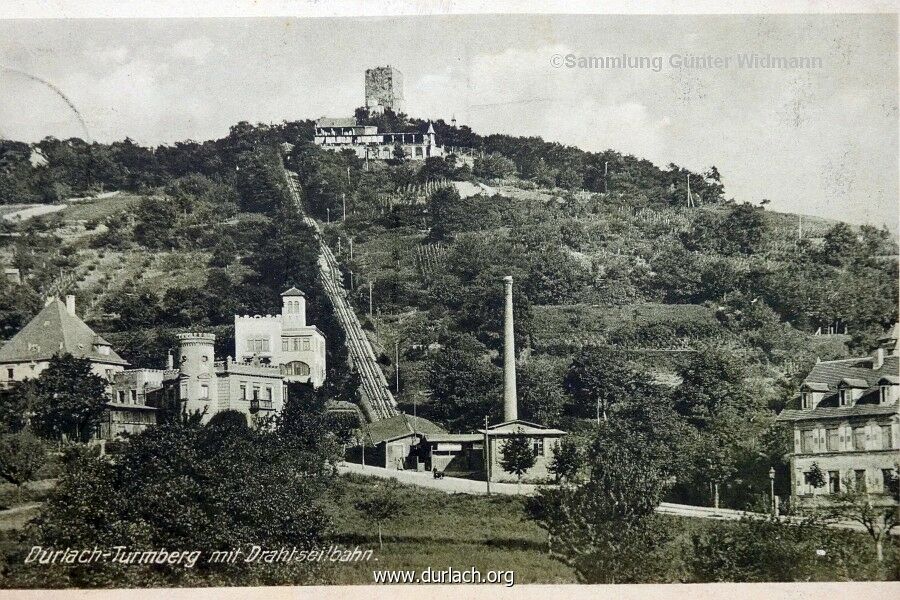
(821, 141)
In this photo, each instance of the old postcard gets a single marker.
(452, 295)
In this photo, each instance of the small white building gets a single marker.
(367, 142)
(283, 340)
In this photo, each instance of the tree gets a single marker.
(567, 462)
(21, 456)
(154, 222)
(517, 456)
(183, 485)
(68, 399)
(465, 386)
(605, 527)
(876, 514)
(597, 378)
(815, 477)
(384, 505)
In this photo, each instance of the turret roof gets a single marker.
(293, 292)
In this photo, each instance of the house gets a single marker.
(56, 330)
(285, 341)
(395, 441)
(197, 383)
(339, 134)
(544, 442)
(846, 421)
(457, 454)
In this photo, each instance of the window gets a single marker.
(537, 446)
(887, 479)
(887, 437)
(833, 440)
(258, 344)
(296, 344)
(256, 392)
(885, 394)
(204, 391)
(808, 441)
(859, 438)
(859, 480)
(296, 367)
(134, 396)
(306, 344)
(9, 373)
(844, 397)
(243, 391)
(806, 400)
(285, 344)
(120, 396)
(834, 482)
(268, 393)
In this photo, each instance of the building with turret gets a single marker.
(339, 134)
(284, 341)
(192, 382)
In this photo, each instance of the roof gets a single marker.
(400, 426)
(454, 437)
(55, 331)
(854, 382)
(336, 122)
(519, 426)
(293, 292)
(827, 376)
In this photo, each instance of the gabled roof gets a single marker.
(891, 379)
(55, 331)
(828, 376)
(521, 426)
(400, 426)
(853, 382)
(292, 292)
(336, 122)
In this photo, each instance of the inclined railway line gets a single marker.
(376, 399)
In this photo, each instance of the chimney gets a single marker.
(70, 304)
(878, 360)
(170, 361)
(510, 409)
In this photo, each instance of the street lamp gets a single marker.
(772, 490)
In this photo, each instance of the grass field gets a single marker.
(444, 530)
(99, 208)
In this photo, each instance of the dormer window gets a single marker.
(884, 394)
(806, 400)
(844, 397)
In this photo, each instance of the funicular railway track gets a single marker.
(376, 400)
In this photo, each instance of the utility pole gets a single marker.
(799, 227)
(339, 245)
(328, 213)
(351, 281)
(690, 200)
(397, 369)
(348, 176)
(772, 490)
(351, 248)
(344, 202)
(370, 299)
(605, 180)
(487, 457)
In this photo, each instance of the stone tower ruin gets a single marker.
(384, 89)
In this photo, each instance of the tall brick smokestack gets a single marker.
(510, 408)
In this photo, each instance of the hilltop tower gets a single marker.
(197, 381)
(384, 89)
(293, 309)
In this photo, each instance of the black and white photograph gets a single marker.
(449, 298)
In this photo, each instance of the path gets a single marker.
(456, 485)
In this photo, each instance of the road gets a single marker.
(456, 485)
(376, 399)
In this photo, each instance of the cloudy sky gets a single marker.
(817, 141)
